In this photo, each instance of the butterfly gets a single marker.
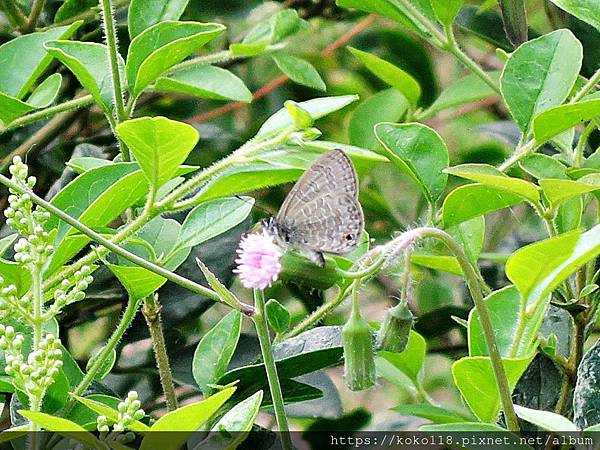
(321, 213)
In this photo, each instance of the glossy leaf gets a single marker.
(278, 316)
(446, 10)
(277, 27)
(554, 121)
(63, 426)
(46, 92)
(437, 262)
(12, 108)
(213, 217)
(88, 61)
(163, 45)
(465, 427)
(434, 413)
(143, 14)
(474, 377)
(546, 420)
(160, 145)
(71, 8)
(538, 268)
(387, 105)
(410, 361)
(586, 10)
(206, 82)
(540, 75)
(543, 166)
(557, 190)
(24, 59)
(490, 176)
(466, 90)
(185, 421)
(214, 351)
(392, 75)
(472, 200)
(299, 71)
(316, 107)
(418, 151)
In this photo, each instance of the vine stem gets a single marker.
(113, 66)
(109, 245)
(151, 311)
(260, 322)
(124, 323)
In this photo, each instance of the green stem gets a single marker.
(519, 153)
(124, 323)
(585, 134)
(151, 311)
(260, 322)
(36, 10)
(588, 86)
(76, 103)
(113, 66)
(86, 16)
(14, 14)
(112, 246)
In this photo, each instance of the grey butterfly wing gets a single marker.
(332, 172)
(332, 223)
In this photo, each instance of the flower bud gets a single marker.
(359, 360)
(393, 334)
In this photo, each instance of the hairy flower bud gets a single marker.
(393, 334)
(359, 360)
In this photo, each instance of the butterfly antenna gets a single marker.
(269, 213)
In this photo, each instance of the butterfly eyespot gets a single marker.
(349, 236)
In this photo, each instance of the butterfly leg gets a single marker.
(316, 257)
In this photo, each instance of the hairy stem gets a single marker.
(124, 323)
(113, 65)
(151, 311)
(260, 322)
(36, 10)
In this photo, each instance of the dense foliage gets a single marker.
(142, 139)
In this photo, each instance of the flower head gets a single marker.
(258, 260)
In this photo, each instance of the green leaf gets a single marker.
(543, 166)
(434, 413)
(466, 427)
(46, 92)
(514, 18)
(490, 176)
(446, 10)
(538, 268)
(474, 377)
(232, 429)
(316, 107)
(540, 74)
(557, 190)
(106, 366)
(437, 262)
(71, 8)
(185, 421)
(278, 316)
(88, 61)
(280, 25)
(95, 198)
(302, 119)
(214, 351)
(546, 420)
(554, 121)
(143, 14)
(586, 405)
(24, 59)
(299, 71)
(387, 105)
(586, 10)
(389, 73)
(160, 145)
(410, 361)
(418, 151)
(466, 90)
(206, 82)
(64, 427)
(12, 108)
(163, 45)
(472, 200)
(504, 306)
(111, 413)
(213, 217)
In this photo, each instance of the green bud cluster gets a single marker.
(9, 301)
(71, 290)
(43, 364)
(33, 247)
(129, 411)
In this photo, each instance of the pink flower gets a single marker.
(258, 261)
